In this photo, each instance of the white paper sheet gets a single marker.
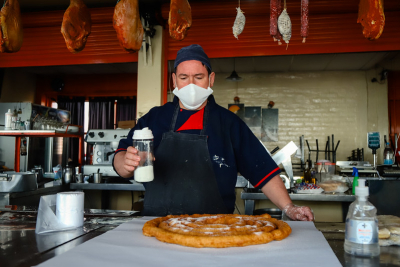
(127, 246)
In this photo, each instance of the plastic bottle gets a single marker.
(7, 122)
(361, 235)
(355, 180)
(388, 155)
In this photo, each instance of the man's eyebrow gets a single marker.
(197, 74)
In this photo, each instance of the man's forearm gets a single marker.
(276, 191)
(119, 165)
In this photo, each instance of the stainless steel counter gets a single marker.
(21, 247)
(133, 186)
(123, 187)
(31, 197)
(249, 195)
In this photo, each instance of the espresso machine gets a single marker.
(105, 143)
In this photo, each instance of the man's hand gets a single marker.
(126, 162)
(298, 213)
(276, 191)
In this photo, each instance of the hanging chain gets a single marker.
(284, 4)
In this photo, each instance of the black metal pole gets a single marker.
(316, 140)
(309, 150)
(336, 149)
(329, 148)
(333, 145)
(326, 147)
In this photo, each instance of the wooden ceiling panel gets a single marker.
(333, 33)
(44, 44)
(227, 8)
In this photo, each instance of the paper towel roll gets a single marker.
(69, 208)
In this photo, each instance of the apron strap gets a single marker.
(175, 117)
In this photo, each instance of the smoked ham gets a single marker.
(76, 26)
(372, 18)
(128, 25)
(180, 19)
(11, 32)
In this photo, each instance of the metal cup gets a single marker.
(27, 125)
(97, 177)
(79, 178)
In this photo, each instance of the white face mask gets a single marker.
(192, 96)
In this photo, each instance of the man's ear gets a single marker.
(212, 78)
(174, 79)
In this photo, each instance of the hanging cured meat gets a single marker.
(285, 25)
(11, 32)
(238, 25)
(180, 19)
(128, 25)
(304, 20)
(372, 18)
(76, 26)
(275, 12)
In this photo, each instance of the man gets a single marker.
(199, 149)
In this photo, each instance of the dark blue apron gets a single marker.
(184, 180)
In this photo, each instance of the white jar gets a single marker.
(143, 142)
(7, 122)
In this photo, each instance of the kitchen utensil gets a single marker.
(38, 171)
(79, 178)
(27, 125)
(67, 177)
(97, 177)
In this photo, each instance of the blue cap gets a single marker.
(192, 52)
(355, 172)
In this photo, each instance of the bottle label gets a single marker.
(362, 232)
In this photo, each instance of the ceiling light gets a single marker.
(234, 77)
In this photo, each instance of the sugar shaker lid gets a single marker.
(144, 133)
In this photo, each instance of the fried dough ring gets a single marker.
(217, 231)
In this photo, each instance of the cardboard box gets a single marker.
(126, 124)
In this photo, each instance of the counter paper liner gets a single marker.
(60, 212)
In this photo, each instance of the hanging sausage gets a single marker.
(275, 11)
(304, 20)
(128, 26)
(11, 32)
(180, 19)
(76, 26)
(372, 18)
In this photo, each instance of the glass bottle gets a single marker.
(307, 173)
(143, 141)
(322, 172)
(388, 155)
(313, 174)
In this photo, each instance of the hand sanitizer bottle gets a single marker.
(361, 236)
